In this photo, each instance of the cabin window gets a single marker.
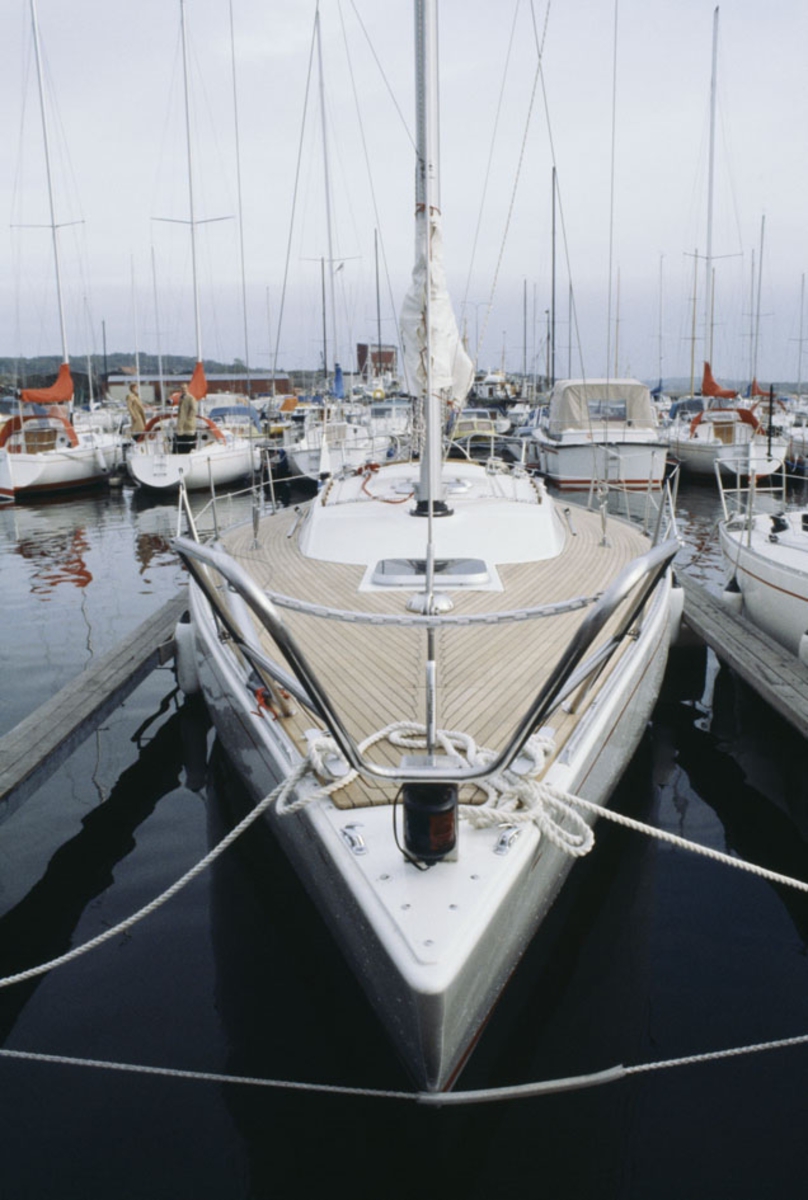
(607, 410)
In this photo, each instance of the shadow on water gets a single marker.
(751, 768)
(648, 953)
(293, 1010)
(41, 925)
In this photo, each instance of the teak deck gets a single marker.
(487, 675)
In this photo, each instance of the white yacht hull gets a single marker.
(433, 949)
(575, 465)
(71, 468)
(700, 456)
(772, 575)
(217, 464)
(309, 459)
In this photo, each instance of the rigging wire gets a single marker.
(611, 197)
(294, 199)
(385, 80)
(487, 177)
(520, 163)
(554, 160)
(370, 173)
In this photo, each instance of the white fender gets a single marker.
(732, 597)
(802, 650)
(677, 608)
(185, 659)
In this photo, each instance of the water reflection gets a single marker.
(41, 925)
(56, 559)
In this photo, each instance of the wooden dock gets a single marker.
(35, 748)
(775, 674)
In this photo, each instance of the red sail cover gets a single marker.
(756, 389)
(198, 387)
(60, 392)
(709, 387)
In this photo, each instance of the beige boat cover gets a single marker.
(571, 404)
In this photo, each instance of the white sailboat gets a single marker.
(41, 452)
(454, 658)
(217, 456)
(724, 433)
(764, 543)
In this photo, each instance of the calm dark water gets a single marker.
(651, 953)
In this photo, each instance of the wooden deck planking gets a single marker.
(474, 693)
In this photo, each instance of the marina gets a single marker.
(402, 754)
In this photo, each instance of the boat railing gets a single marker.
(743, 494)
(632, 588)
(653, 507)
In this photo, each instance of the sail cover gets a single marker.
(709, 387)
(452, 369)
(59, 392)
(198, 386)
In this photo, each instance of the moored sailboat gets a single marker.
(203, 454)
(454, 653)
(727, 434)
(764, 543)
(41, 453)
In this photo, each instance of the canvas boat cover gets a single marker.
(582, 404)
(59, 392)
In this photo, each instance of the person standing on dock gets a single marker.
(137, 413)
(186, 421)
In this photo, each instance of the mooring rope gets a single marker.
(511, 798)
(458, 1099)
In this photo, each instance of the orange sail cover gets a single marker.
(198, 387)
(756, 389)
(60, 392)
(709, 387)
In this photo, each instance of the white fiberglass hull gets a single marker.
(308, 459)
(432, 949)
(72, 468)
(772, 575)
(216, 464)
(700, 456)
(575, 465)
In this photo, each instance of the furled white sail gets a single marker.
(452, 369)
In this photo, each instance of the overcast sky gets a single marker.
(115, 101)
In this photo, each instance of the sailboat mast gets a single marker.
(757, 305)
(551, 367)
(46, 140)
(659, 335)
(327, 190)
(160, 378)
(427, 199)
(524, 332)
(135, 323)
(192, 211)
(693, 330)
(799, 356)
(240, 204)
(708, 258)
(325, 326)
(379, 371)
